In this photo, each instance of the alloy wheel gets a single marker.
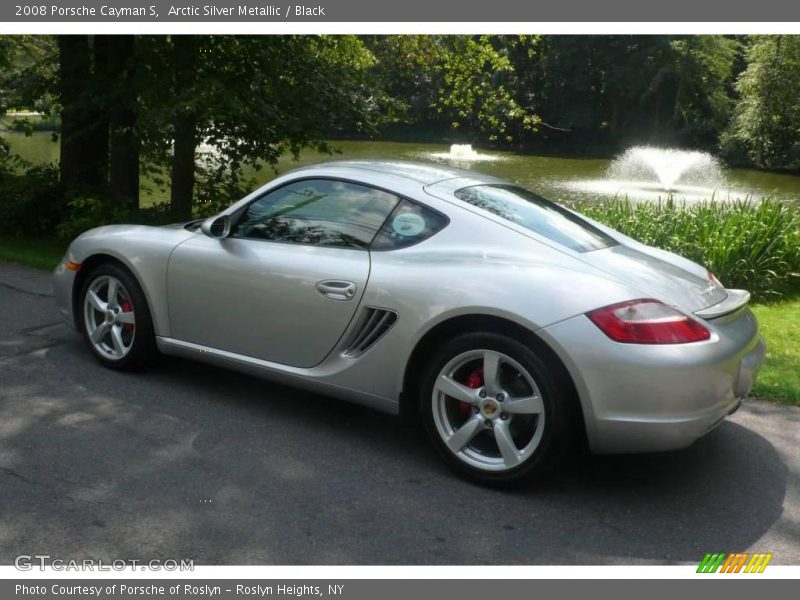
(109, 317)
(488, 410)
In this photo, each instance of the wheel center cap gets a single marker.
(110, 316)
(489, 409)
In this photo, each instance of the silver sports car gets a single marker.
(512, 326)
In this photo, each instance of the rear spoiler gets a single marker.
(736, 299)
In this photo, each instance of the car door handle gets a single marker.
(337, 290)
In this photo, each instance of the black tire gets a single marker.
(143, 351)
(559, 416)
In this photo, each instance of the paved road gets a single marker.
(189, 461)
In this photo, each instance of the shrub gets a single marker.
(750, 245)
(85, 213)
(88, 212)
(31, 202)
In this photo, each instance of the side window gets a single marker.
(320, 212)
(409, 224)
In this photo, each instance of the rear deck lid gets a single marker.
(653, 273)
(657, 278)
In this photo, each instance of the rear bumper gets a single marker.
(648, 398)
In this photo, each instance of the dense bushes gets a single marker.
(88, 212)
(31, 200)
(33, 204)
(755, 246)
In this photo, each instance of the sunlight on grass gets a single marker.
(780, 326)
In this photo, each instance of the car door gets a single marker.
(284, 285)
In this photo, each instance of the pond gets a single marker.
(563, 179)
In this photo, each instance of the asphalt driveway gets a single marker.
(190, 461)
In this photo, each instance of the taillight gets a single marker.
(647, 322)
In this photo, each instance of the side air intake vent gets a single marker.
(372, 325)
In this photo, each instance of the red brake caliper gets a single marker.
(474, 380)
(126, 306)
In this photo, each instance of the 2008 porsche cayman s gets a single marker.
(507, 322)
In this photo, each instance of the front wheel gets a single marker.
(115, 319)
(494, 409)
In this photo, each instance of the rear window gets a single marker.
(541, 216)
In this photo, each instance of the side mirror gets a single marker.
(217, 227)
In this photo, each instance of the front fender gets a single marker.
(143, 250)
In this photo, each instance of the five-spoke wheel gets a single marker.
(109, 318)
(488, 409)
(492, 407)
(115, 318)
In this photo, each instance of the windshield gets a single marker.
(541, 216)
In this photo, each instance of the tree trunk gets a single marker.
(97, 103)
(185, 61)
(619, 107)
(84, 126)
(123, 120)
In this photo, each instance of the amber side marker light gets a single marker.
(73, 266)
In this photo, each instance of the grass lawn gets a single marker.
(780, 326)
(780, 322)
(42, 254)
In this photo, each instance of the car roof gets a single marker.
(420, 172)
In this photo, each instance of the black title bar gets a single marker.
(472, 11)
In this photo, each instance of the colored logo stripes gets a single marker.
(738, 562)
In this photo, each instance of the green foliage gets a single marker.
(28, 124)
(705, 65)
(476, 89)
(755, 246)
(465, 83)
(560, 92)
(30, 196)
(405, 70)
(8, 162)
(767, 120)
(623, 89)
(254, 99)
(28, 65)
(218, 188)
(87, 212)
(259, 97)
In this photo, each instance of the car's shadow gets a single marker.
(191, 460)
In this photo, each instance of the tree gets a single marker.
(123, 121)
(185, 58)
(465, 83)
(705, 68)
(766, 123)
(476, 89)
(84, 119)
(620, 89)
(406, 70)
(28, 72)
(247, 101)
(98, 92)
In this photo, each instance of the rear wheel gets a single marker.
(115, 319)
(494, 409)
